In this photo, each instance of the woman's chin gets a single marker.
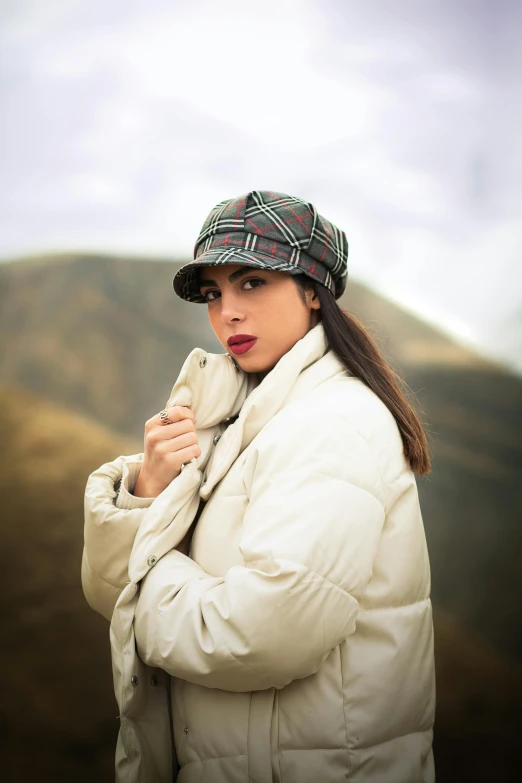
(254, 365)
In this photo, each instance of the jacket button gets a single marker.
(186, 729)
(152, 560)
(203, 362)
(134, 680)
(153, 680)
(216, 438)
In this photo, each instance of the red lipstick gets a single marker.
(241, 343)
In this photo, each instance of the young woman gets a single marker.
(263, 562)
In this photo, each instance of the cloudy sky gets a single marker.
(124, 123)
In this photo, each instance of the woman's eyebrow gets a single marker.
(238, 273)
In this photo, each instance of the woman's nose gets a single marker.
(230, 308)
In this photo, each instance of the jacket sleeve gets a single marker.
(112, 519)
(310, 535)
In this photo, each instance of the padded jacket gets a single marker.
(293, 641)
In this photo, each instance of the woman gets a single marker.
(263, 562)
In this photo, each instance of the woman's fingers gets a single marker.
(165, 432)
(177, 442)
(166, 448)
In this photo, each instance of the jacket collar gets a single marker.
(216, 389)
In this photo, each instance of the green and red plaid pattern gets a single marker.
(272, 231)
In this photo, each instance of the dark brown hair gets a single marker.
(357, 350)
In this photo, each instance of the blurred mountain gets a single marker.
(59, 716)
(58, 697)
(106, 337)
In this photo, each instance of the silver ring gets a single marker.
(164, 417)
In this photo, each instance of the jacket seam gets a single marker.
(311, 571)
(362, 610)
(353, 484)
(396, 737)
(344, 709)
(315, 747)
(337, 587)
(278, 749)
(215, 758)
(123, 722)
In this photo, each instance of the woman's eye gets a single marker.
(254, 280)
(250, 280)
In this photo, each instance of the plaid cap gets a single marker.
(268, 230)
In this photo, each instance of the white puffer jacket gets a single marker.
(295, 644)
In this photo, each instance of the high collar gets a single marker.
(216, 388)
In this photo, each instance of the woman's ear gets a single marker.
(312, 299)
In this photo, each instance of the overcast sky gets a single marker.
(124, 123)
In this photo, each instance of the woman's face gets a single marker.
(258, 302)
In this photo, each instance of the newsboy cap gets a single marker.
(268, 230)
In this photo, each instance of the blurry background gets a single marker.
(123, 124)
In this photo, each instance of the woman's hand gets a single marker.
(166, 448)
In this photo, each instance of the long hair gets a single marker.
(357, 350)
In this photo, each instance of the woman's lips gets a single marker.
(243, 347)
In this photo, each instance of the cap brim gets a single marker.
(185, 281)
